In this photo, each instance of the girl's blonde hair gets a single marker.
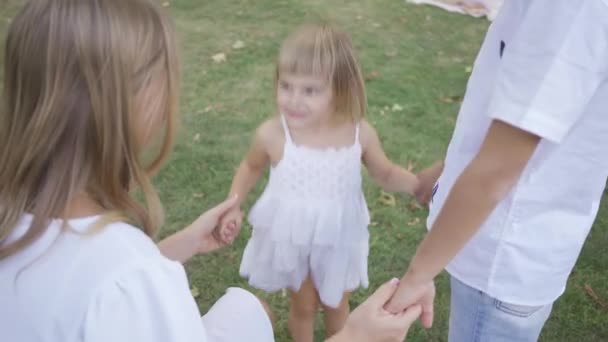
(322, 50)
(82, 80)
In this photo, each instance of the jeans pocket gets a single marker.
(517, 310)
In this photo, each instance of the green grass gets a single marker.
(415, 57)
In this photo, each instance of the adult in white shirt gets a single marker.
(87, 85)
(524, 172)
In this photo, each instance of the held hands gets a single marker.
(411, 293)
(229, 226)
(370, 321)
(427, 179)
(204, 228)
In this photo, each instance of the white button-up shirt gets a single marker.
(543, 67)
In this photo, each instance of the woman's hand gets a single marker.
(208, 223)
(199, 237)
(370, 322)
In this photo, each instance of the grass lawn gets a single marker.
(416, 61)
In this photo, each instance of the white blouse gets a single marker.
(113, 285)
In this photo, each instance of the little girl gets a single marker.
(310, 224)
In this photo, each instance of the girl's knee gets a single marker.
(304, 309)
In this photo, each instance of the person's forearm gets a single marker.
(399, 179)
(343, 336)
(473, 198)
(436, 169)
(245, 178)
(179, 246)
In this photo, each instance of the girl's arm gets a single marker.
(390, 176)
(254, 164)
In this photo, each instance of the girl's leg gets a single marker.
(335, 318)
(304, 307)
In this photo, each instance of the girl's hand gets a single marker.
(204, 227)
(230, 226)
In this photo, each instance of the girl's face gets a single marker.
(305, 100)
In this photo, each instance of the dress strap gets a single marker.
(357, 129)
(286, 130)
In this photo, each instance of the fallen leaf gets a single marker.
(195, 292)
(387, 199)
(219, 57)
(359, 17)
(468, 69)
(198, 195)
(376, 25)
(414, 222)
(414, 206)
(595, 297)
(166, 4)
(238, 45)
(197, 137)
(372, 76)
(451, 99)
(207, 109)
(396, 108)
(391, 53)
(373, 223)
(411, 166)
(283, 293)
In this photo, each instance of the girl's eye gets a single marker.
(310, 90)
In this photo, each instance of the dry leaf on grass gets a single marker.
(219, 57)
(413, 206)
(411, 166)
(414, 222)
(451, 99)
(392, 53)
(195, 292)
(595, 297)
(372, 76)
(396, 108)
(387, 199)
(238, 45)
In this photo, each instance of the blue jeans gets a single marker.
(477, 317)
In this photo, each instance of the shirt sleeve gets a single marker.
(552, 67)
(146, 301)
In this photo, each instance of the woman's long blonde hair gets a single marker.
(82, 80)
(322, 50)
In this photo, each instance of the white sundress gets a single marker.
(312, 217)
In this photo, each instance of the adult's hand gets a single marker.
(371, 322)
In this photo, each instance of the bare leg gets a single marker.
(336, 317)
(304, 306)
